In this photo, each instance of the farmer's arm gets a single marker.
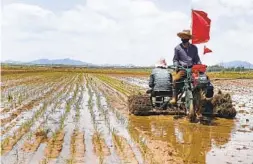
(176, 58)
(151, 81)
(196, 57)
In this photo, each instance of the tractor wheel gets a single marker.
(192, 115)
(139, 104)
(190, 106)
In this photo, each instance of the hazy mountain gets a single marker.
(66, 61)
(12, 62)
(236, 64)
(69, 61)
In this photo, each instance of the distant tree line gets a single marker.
(218, 68)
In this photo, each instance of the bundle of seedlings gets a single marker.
(223, 106)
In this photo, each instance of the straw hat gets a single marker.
(161, 63)
(185, 34)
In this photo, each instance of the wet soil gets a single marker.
(124, 150)
(224, 140)
(77, 147)
(54, 145)
(39, 137)
(99, 129)
(99, 146)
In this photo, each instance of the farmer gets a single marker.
(160, 78)
(186, 55)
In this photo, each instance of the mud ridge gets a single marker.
(124, 150)
(39, 137)
(99, 146)
(54, 145)
(77, 148)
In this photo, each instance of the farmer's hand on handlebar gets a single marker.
(178, 75)
(176, 68)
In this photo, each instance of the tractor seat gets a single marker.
(166, 93)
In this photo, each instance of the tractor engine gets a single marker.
(201, 80)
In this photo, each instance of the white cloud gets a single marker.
(126, 31)
(129, 32)
(231, 30)
(20, 15)
(245, 4)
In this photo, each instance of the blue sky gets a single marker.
(124, 32)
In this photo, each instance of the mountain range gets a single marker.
(65, 61)
(68, 61)
(236, 63)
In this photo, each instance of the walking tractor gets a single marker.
(195, 95)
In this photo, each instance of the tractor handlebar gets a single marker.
(177, 67)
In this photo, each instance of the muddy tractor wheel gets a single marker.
(139, 104)
(190, 106)
(192, 115)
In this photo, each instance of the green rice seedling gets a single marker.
(29, 137)
(10, 97)
(143, 146)
(117, 140)
(62, 121)
(5, 142)
(98, 101)
(44, 161)
(77, 116)
(101, 159)
(68, 107)
(69, 161)
(17, 155)
(54, 135)
(20, 99)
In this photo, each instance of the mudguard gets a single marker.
(209, 90)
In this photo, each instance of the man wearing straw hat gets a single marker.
(186, 55)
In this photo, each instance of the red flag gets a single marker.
(207, 50)
(200, 27)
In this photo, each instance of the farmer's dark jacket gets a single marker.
(160, 79)
(186, 56)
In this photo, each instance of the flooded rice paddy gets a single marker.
(82, 118)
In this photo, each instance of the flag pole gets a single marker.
(191, 17)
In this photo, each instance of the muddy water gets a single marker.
(17, 155)
(107, 121)
(191, 141)
(88, 130)
(69, 126)
(224, 141)
(111, 121)
(119, 123)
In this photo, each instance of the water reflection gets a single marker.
(191, 141)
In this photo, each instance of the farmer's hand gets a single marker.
(181, 73)
(178, 75)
